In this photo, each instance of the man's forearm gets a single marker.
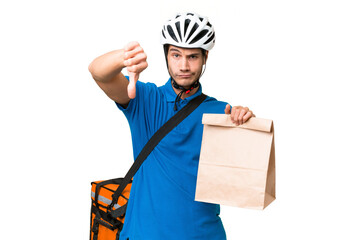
(107, 66)
(106, 70)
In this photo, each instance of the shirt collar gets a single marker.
(171, 95)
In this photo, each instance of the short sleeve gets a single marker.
(134, 105)
(140, 113)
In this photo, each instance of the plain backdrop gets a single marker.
(295, 62)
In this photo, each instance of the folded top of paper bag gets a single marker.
(224, 120)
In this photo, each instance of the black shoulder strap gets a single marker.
(154, 140)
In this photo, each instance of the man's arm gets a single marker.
(106, 71)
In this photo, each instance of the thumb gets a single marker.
(133, 77)
(227, 109)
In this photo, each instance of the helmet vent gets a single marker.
(177, 24)
(210, 39)
(193, 30)
(172, 34)
(199, 36)
(187, 21)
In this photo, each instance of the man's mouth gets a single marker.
(185, 76)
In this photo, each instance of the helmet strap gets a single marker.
(183, 90)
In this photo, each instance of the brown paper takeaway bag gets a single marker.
(237, 163)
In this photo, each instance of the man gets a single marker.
(161, 204)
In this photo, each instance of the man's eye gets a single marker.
(193, 57)
(176, 55)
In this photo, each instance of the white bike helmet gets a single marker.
(188, 30)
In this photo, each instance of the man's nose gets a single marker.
(184, 65)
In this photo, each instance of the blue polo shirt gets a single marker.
(161, 204)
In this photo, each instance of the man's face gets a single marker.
(185, 64)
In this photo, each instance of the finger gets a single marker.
(242, 114)
(235, 115)
(133, 52)
(133, 77)
(131, 45)
(138, 68)
(141, 57)
(227, 109)
(247, 116)
(232, 113)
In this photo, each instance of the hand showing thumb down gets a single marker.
(135, 62)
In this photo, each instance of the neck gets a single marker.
(184, 92)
